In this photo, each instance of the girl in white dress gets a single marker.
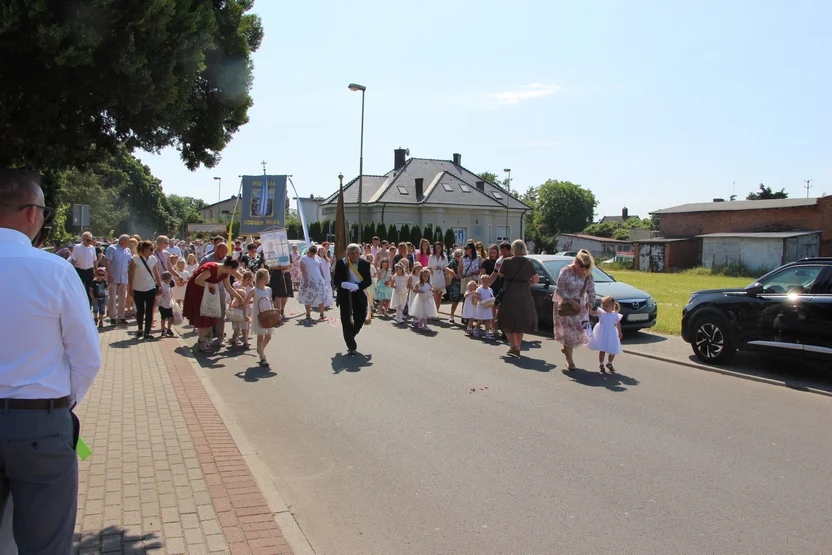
(414, 279)
(241, 329)
(423, 305)
(469, 309)
(606, 335)
(399, 297)
(485, 314)
(438, 264)
(181, 283)
(262, 296)
(326, 268)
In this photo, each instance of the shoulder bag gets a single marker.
(148, 269)
(565, 308)
(507, 281)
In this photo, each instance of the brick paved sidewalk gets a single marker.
(165, 475)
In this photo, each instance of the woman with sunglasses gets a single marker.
(575, 288)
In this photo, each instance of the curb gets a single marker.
(289, 527)
(731, 373)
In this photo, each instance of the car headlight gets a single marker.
(651, 302)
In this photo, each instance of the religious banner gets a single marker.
(275, 246)
(263, 203)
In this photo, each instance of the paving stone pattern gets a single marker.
(165, 476)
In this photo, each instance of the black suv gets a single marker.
(788, 310)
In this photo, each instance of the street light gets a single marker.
(508, 188)
(355, 87)
(219, 189)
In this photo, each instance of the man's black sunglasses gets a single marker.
(47, 212)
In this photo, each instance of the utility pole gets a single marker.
(807, 186)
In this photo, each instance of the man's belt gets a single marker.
(34, 404)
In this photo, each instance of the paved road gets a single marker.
(407, 453)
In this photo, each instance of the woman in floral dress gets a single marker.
(294, 259)
(312, 283)
(454, 289)
(571, 331)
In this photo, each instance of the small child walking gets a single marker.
(606, 335)
(241, 329)
(98, 296)
(469, 308)
(485, 306)
(400, 288)
(165, 310)
(262, 296)
(423, 306)
(383, 288)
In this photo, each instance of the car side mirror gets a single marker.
(754, 289)
(546, 283)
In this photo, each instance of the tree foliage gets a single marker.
(393, 234)
(505, 184)
(766, 193)
(415, 236)
(381, 231)
(427, 233)
(437, 235)
(450, 238)
(615, 230)
(80, 79)
(404, 233)
(315, 232)
(563, 207)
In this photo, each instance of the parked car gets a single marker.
(638, 307)
(788, 310)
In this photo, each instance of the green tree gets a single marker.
(185, 210)
(315, 232)
(602, 230)
(766, 193)
(369, 231)
(450, 238)
(106, 209)
(292, 218)
(564, 207)
(502, 183)
(393, 234)
(381, 231)
(428, 233)
(81, 81)
(293, 230)
(416, 236)
(437, 235)
(621, 234)
(404, 233)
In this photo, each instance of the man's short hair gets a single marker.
(505, 245)
(375, 238)
(17, 187)
(353, 247)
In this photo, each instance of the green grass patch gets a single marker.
(672, 291)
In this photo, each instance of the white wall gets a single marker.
(754, 253)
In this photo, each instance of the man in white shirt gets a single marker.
(50, 359)
(118, 261)
(83, 258)
(174, 249)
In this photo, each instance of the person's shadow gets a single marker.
(614, 382)
(527, 363)
(256, 373)
(347, 363)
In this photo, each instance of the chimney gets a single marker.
(481, 186)
(625, 214)
(399, 158)
(419, 189)
(458, 159)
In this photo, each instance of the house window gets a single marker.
(448, 187)
(497, 195)
(465, 188)
(402, 189)
(503, 233)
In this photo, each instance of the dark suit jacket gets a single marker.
(342, 274)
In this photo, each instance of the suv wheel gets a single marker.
(712, 339)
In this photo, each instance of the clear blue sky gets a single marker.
(647, 103)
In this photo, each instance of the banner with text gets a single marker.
(275, 247)
(264, 202)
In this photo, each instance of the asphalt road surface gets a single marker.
(437, 444)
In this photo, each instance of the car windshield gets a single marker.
(797, 279)
(555, 266)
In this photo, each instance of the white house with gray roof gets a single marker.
(423, 192)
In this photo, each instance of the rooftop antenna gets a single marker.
(807, 186)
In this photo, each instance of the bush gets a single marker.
(381, 231)
(416, 236)
(393, 234)
(734, 269)
(616, 266)
(404, 233)
(450, 238)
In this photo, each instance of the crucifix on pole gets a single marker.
(264, 167)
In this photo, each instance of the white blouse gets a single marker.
(437, 264)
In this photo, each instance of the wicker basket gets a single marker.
(235, 315)
(269, 318)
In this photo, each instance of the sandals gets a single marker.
(322, 317)
(263, 362)
(205, 347)
(601, 368)
(610, 367)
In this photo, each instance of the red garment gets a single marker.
(423, 259)
(193, 296)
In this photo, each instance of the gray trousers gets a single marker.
(39, 468)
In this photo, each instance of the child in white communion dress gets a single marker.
(606, 335)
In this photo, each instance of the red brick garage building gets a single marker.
(748, 216)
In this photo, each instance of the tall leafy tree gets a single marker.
(393, 234)
(450, 238)
(404, 233)
(80, 79)
(381, 231)
(765, 193)
(564, 207)
(427, 233)
(315, 232)
(416, 236)
(437, 235)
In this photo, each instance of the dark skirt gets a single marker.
(281, 284)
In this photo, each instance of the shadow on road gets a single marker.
(527, 363)
(642, 338)
(613, 382)
(795, 373)
(347, 363)
(205, 360)
(114, 539)
(124, 343)
(256, 373)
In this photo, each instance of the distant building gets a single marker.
(600, 247)
(758, 251)
(438, 193)
(220, 212)
(311, 208)
(625, 215)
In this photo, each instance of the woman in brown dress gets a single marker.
(517, 312)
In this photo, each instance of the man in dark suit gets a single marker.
(352, 299)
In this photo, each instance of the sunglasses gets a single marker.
(47, 212)
(582, 265)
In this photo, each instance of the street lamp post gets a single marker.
(219, 189)
(508, 195)
(355, 87)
